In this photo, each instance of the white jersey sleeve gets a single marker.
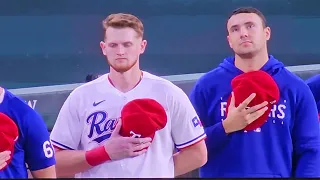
(186, 126)
(67, 130)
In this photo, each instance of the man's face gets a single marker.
(122, 48)
(246, 33)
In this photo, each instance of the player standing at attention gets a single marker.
(287, 145)
(88, 117)
(314, 84)
(32, 146)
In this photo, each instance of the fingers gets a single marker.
(138, 147)
(256, 107)
(117, 128)
(246, 102)
(2, 165)
(5, 155)
(138, 153)
(232, 100)
(253, 116)
(139, 140)
(5, 158)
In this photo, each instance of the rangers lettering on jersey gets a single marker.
(100, 126)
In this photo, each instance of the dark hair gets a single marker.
(91, 77)
(249, 10)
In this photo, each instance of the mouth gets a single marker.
(245, 42)
(121, 59)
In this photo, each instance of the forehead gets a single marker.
(243, 18)
(120, 35)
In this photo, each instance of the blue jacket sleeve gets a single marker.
(314, 85)
(306, 136)
(216, 136)
(39, 152)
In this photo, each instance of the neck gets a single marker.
(125, 81)
(252, 63)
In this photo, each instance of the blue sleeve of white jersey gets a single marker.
(39, 153)
(216, 135)
(306, 136)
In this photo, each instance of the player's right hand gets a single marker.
(4, 156)
(119, 147)
(239, 117)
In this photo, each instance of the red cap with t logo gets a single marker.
(263, 85)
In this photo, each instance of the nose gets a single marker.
(120, 51)
(243, 33)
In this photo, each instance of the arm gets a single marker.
(188, 135)
(39, 154)
(115, 148)
(49, 172)
(306, 140)
(77, 159)
(314, 85)
(216, 135)
(65, 137)
(188, 154)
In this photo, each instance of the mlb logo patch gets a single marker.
(196, 122)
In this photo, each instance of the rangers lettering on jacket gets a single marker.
(277, 111)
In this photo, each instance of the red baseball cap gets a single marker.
(142, 118)
(263, 85)
(8, 135)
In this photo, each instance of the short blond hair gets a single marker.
(122, 20)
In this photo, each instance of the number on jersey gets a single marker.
(47, 149)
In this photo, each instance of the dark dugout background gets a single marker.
(57, 42)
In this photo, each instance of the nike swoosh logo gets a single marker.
(96, 104)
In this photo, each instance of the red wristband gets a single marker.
(97, 156)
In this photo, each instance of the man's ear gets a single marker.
(102, 46)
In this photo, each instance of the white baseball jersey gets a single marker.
(89, 115)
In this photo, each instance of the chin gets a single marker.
(121, 69)
(245, 55)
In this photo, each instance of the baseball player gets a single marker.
(277, 136)
(314, 84)
(24, 140)
(88, 142)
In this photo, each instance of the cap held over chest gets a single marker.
(8, 134)
(142, 118)
(263, 85)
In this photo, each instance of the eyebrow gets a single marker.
(121, 43)
(237, 25)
